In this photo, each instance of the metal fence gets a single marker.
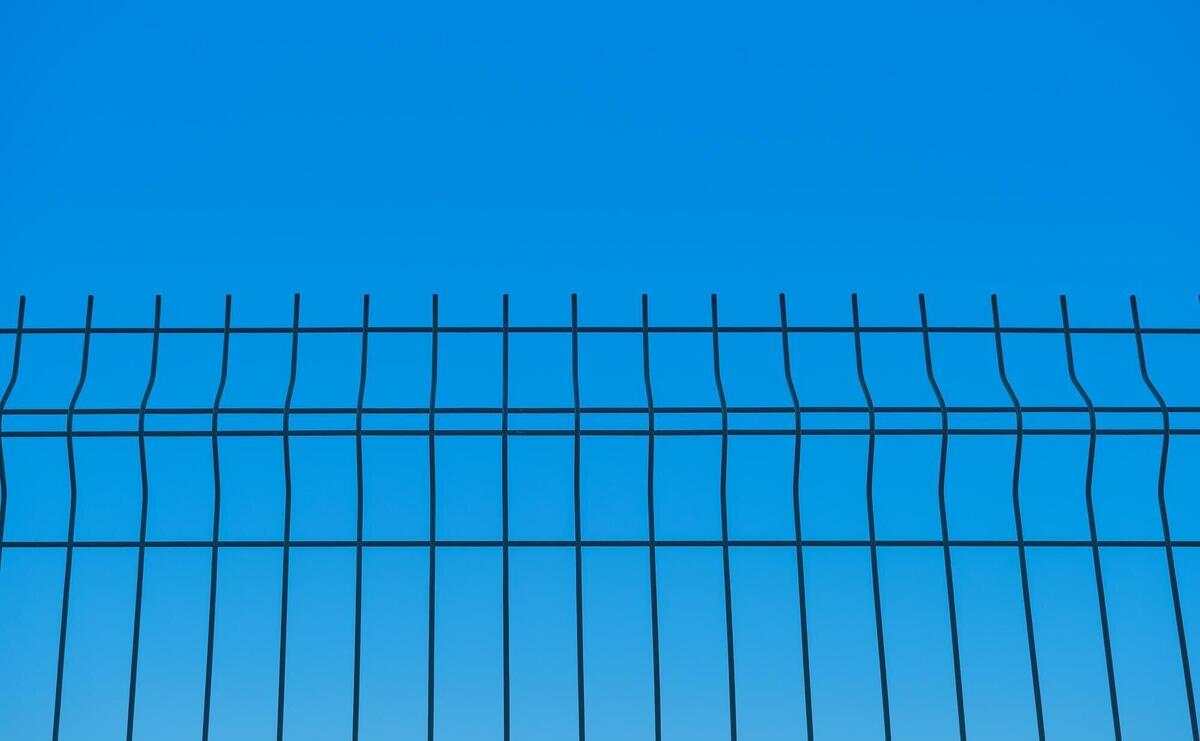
(803, 420)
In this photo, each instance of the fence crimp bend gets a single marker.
(802, 420)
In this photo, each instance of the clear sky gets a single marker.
(539, 149)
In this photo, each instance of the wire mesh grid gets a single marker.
(796, 422)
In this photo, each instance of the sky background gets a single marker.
(192, 151)
(215, 148)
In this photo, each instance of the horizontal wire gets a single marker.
(611, 543)
(698, 409)
(651, 542)
(566, 330)
(658, 432)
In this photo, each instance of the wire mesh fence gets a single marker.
(725, 441)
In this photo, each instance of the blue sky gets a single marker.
(192, 151)
(280, 147)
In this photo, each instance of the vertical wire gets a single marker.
(141, 563)
(578, 517)
(1162, 512)
(70, 547)
(433, 373)
(791, 385)
(212, 574)
(729, 656)
(1091, 513)
(650, 517)
(874, 551)
(504, 518)
(870, 518)
(1020, 530)
(358, 546)
(946, 558)
(287, 518)
(12, 382)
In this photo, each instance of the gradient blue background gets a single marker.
(1024, 149)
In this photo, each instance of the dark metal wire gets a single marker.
(287, 520)
(358, 551)
(1168, 547)
(141, 561)
(1035, 675)
(624, 432)
(506, 647)
(70, 550)
(350, 543)
(12, 382)
(731, 664)
(650, 518)
(874, 552)
(696, 409)
(798, 428)
(945, 526)
(800, 587)
(578, 516)
(611, 329)
(216, 524)
(433, 374)
(1091, 515)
